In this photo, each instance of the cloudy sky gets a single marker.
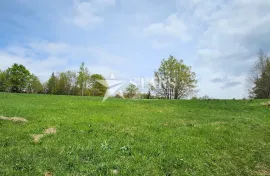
(218, 38)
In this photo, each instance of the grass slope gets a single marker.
(133, 137)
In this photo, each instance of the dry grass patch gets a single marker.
(50, 131)
(262, 169)
(37, 137)
(266, 103)
(14, 119)
(48, 174)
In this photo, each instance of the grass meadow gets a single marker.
(133, 137)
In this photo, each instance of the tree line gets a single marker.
(18, 78)
(173, 80)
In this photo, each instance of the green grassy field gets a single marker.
(133, 137)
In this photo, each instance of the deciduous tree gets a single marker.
(34, 85)
(83, 78)
(52, 84)
(17, 77)
(258, 78)
(131, 91)
(97, 89)
(64, 84)
(262, 84)
(174, 79)
(3, 81)
(71, 76)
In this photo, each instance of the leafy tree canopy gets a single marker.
(175, 79)
(17, 77)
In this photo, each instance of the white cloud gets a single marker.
(222, 35)
(162, 34)
(199, 9)
(106, 71)
(234, 32)
(42, 58)
(104, 57)
(173, 26)
(217, 85)
(52, 48)
(89, 13)
(40, 67)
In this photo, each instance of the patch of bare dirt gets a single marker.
(14, 119)
(262, 170)
(267, 104)
(50, 131)
(18, 119)
(4, 118)
(37, 137)
(48, 174)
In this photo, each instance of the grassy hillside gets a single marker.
(133, 137)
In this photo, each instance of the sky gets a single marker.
(219, 39)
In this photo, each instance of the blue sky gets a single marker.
(219, 39)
